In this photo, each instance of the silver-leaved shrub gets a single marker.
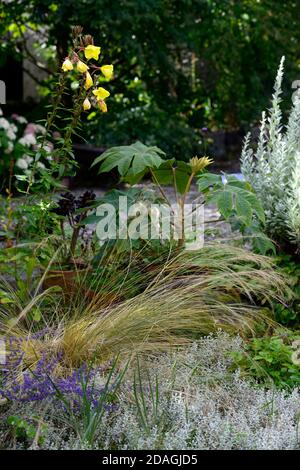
(273, 169)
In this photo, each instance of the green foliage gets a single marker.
(174, 173)
(86, 422)
(232, 197)
(238, 205)
(25, 430)
(149, 409)
(132, 161)
(133, 195)
(269, 360)
(289, 313)
(178, 64)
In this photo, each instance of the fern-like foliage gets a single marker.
(273, 169)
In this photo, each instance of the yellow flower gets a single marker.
(67, 65)
(92, 52)
(198, 164)
(101, 93)
(107, 70)
(82, 67)
(102, 106)
(86, 104)
(88, 81)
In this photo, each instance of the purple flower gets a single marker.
(24, 384)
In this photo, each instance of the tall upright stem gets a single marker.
(181, 241)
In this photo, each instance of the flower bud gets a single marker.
(88, 81)
(67, 65)
(86, 104)
(102, 106)
(82, 67)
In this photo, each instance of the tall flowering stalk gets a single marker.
(81, 66)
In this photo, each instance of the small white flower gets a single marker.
(9, 148)
(21, 119)
(22, 164)
(28, 159)
(28, 140)
(11, 134)
(41, 166)
(296, 344)
(296, 358)
(4, 124)
(40, 129)
(48, 147)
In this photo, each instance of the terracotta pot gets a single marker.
(68, 280)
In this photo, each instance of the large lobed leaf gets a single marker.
(234, 197)
(132, 161)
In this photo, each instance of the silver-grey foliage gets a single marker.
(192, 400)
(274, 168)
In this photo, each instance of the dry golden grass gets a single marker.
(192, 294)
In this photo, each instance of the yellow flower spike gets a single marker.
(102, 106)
(88, 81)
(86, 104)
(82, 67)
(101, 93)
(107, 70)
(92, 52)
(67, 65)
(198, 164)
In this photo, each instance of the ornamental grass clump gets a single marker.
(273, 169)
(190, 294)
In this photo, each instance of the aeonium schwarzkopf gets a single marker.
(73, 211)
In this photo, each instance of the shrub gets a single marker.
(272, 360)
(288, 313)
(274, 169)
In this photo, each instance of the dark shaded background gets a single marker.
(180, 65)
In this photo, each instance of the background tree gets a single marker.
(179, 64)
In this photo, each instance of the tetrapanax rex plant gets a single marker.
(238, 205)
(134, 161)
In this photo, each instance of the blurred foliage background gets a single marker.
(180, 65)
